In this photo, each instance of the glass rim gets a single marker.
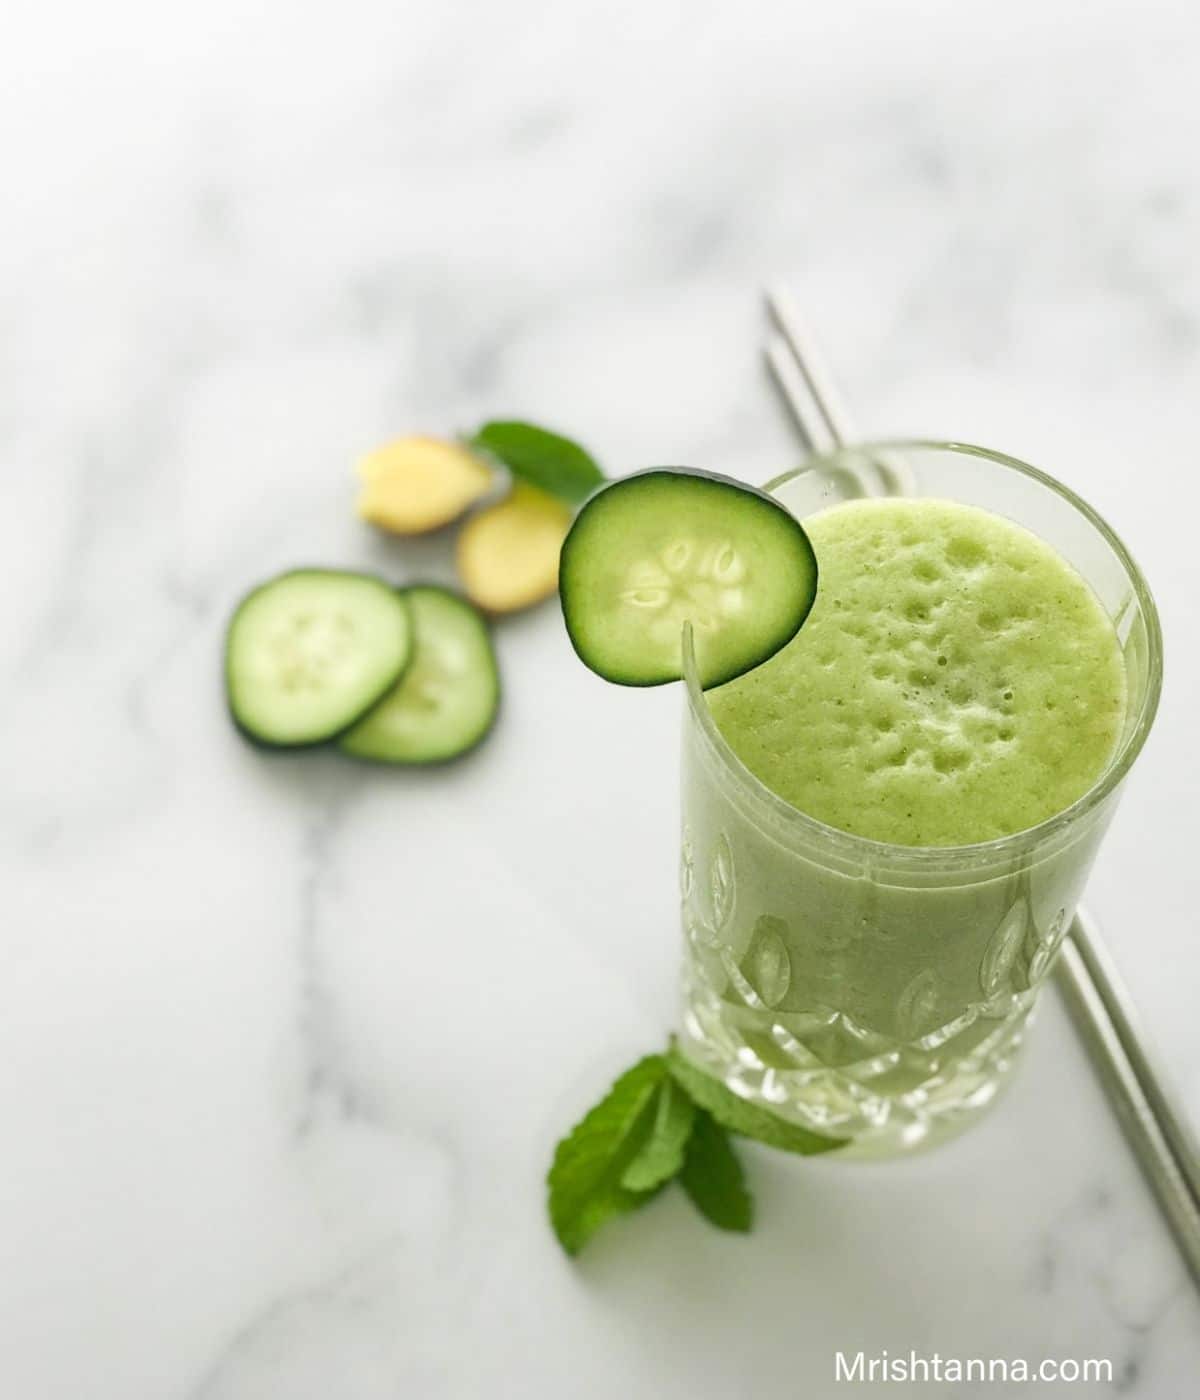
(868, 848)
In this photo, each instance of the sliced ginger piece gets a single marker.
(417, 484)
(507, 554)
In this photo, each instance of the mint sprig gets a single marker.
(663, 1120)
(547, 460)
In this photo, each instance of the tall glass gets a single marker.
(874, 992)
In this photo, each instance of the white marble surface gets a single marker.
(284, 1045)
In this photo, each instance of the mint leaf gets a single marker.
(541, 458)
(712, 1176)
(741, 1116)
(584, 1182)
(662, 1156)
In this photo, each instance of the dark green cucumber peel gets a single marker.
(309, 652)
(446, 703)
(672, 545)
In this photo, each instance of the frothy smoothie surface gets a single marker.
(956, 681)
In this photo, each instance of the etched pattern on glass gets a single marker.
(771, 1015)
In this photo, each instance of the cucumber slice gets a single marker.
(667, 546)
(446, 701)
(308, 653)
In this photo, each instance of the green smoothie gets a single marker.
(957, 680)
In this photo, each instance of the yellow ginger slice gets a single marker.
(507, 554)
(417, 484)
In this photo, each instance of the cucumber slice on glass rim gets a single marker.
(446, 701)
(309, 652)
(653, 551)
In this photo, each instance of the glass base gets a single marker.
(885, 1099)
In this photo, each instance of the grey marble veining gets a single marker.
(285, 1044)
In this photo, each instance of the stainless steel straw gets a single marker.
(1099, 1004)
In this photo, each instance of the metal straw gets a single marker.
(1099, 1004)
